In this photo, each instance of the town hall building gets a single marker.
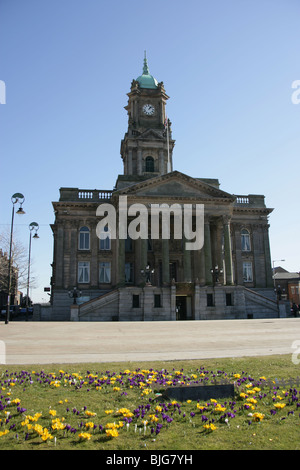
(101, 277)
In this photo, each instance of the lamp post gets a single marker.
(147, 274)
(215, 274)
(16, 198)
(74, 294)
(273, 266)
(33, 227)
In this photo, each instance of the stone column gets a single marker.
(259, 271)
(66, 256)
(143, 255)
(268, 262)
(129, 162)
(161, 162)
(187, 273)
(238, 255)
(228, 251)
(121, 259)
(207, 251)
(73, 256)
(59, 256)
(197, 301)
(165, 261)
(139, 162)
(94, 266)
(173, 302)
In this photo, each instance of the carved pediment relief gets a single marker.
(176, 184)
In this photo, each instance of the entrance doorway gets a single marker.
(181, 312)
(183, 307)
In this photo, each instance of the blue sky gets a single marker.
(228, 67)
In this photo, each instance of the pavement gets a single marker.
(82, 342)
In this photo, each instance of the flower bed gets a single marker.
(71, 408)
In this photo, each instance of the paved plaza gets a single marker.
(68, 342)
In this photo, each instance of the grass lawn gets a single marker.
(117, 406)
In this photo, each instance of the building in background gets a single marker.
(229, 277)
(287, 285)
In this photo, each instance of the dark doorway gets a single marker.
(181, 311)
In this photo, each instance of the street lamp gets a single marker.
(215, 273)
(147, 273)
(273, 263)
(74, 294)
(33, 227)
(16, 198)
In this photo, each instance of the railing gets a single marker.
(242, 200)
(96, 194)
(253, 200)
(91, 195)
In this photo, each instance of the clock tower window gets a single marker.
(149, 164)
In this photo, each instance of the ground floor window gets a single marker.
(247, 271)
(83, 271)
(157, 300)
(105, 272)
(229, 299)
(129, 273)
(135, 301)
(210, 300)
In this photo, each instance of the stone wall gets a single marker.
(208, 303)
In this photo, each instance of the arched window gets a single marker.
(105, 239)
(150, 164)
(245, 240)
(84, 238)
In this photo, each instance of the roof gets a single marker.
(286, 276)
(146, 80)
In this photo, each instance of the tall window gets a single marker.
(105, 239)
(129, 273)
(150, 164)
(83, 272)
(247, 271)
(245, 240)
(128, 244)
(105, 273)
(135, 301)
(157, 300)
(84, 238)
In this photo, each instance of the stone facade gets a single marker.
(109, 272)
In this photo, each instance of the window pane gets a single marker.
(128, 244)
(247, 272)
(84, 238)
(245, 240)
(149, 164)
(210, 300)
(105, 239)
(129, 272)
(105, 272)
(83, 271)
(135, 301)
(157, 300)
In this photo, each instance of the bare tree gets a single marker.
(19, 262)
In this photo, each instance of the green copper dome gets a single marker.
(147, 80)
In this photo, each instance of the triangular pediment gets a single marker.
(176, 185)
(151, 134)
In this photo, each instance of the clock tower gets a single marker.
(147, 147)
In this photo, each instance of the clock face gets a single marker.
(148, 109)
